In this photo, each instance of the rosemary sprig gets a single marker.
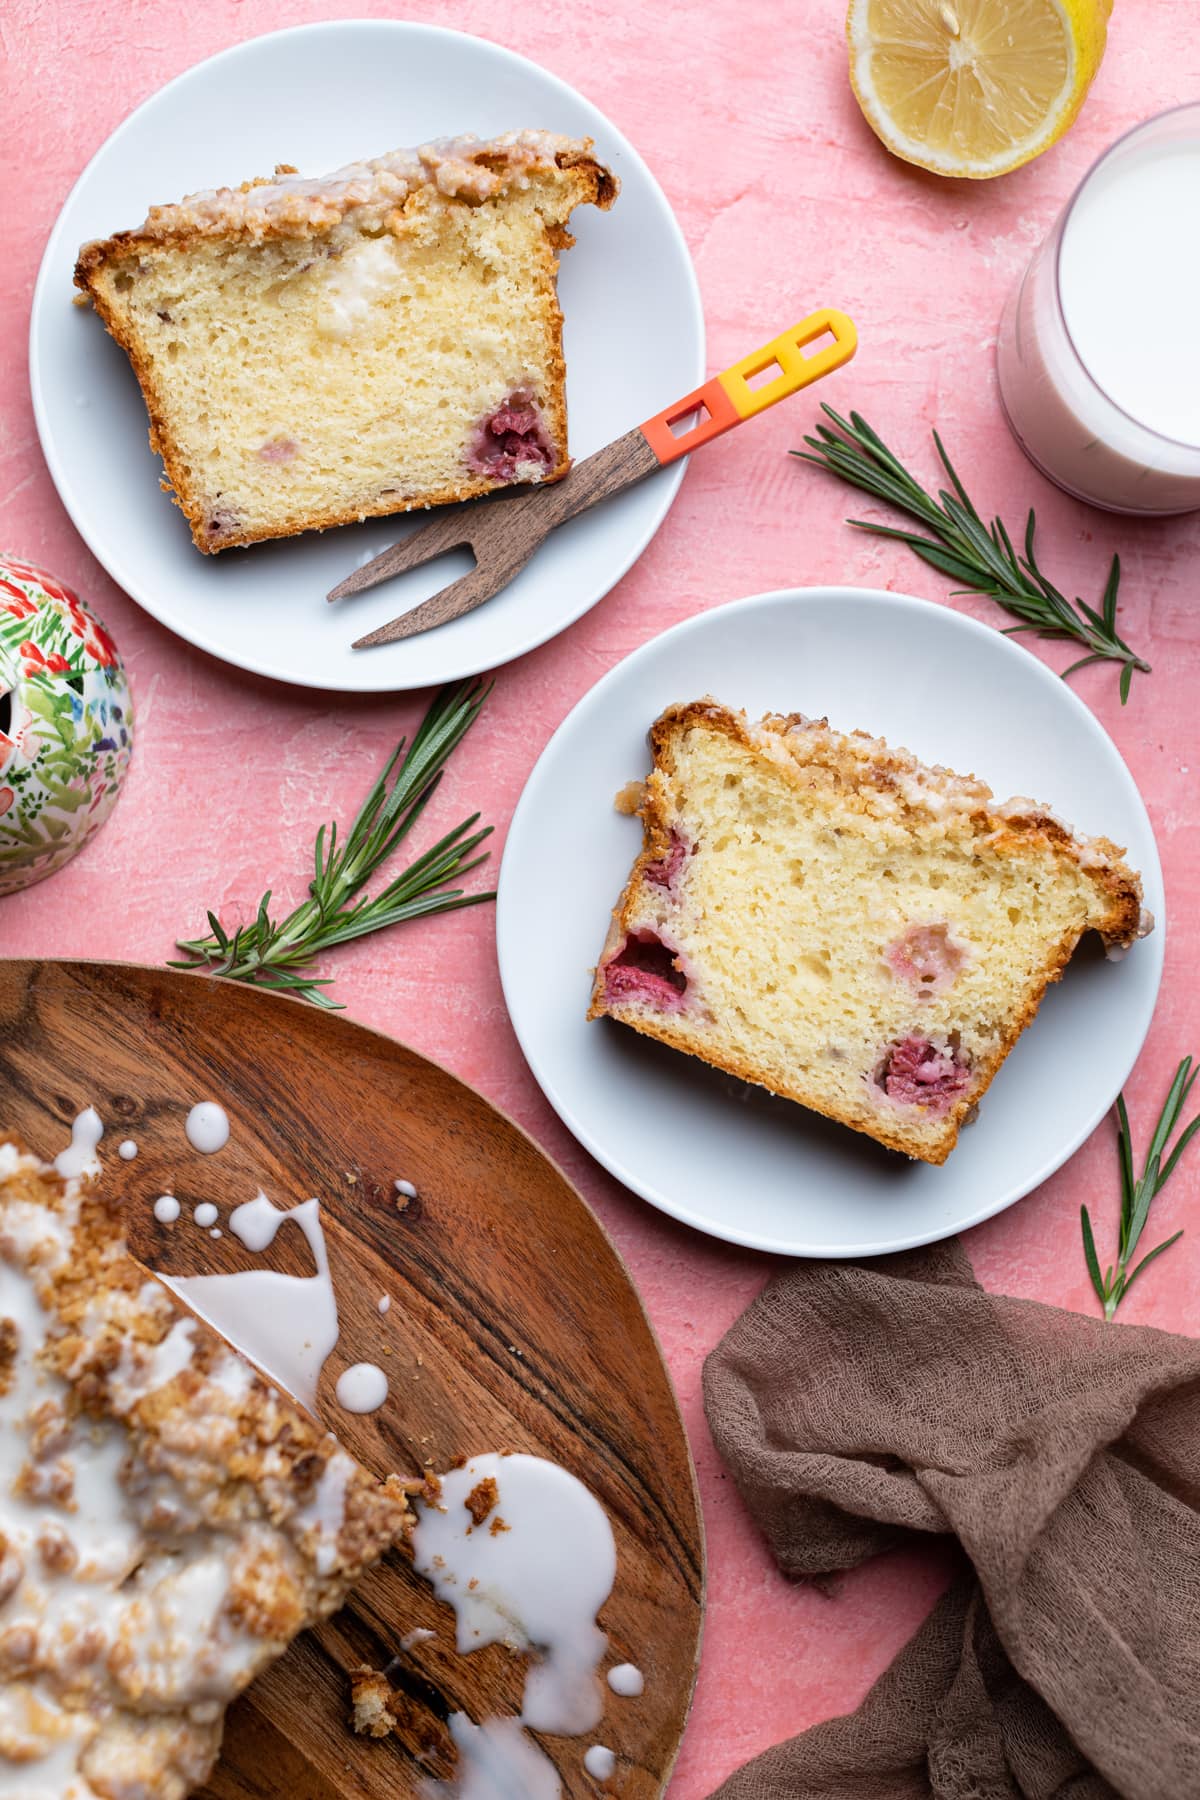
(279, 953)
(1137, 1195)
(981, 556)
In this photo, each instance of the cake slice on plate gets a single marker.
(830, 918)
(313, 352)
(168, 1520)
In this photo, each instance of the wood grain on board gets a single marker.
(513, 1326)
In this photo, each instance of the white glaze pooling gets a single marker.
(206, 1214)
(407, 1189)
(287, 1324)
(127, 1150)
(385, 1302)
(599, 1762)
(79, 1158)
(256, 1222)
(166, 1209)
(207, 1127)
(362, 1388)
(626, 1680)
(496, 1761)
(532, 1574)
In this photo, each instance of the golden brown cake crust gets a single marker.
(485, 173)
(870, 775)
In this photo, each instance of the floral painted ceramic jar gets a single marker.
(66, 725)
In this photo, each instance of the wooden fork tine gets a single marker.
(446, 531)
(462, 596)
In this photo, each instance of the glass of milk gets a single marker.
(1099, 349)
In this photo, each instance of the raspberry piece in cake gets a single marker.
(512, 444)
(644, 969)
(928, 957)
(917, 1073)
(665, 872)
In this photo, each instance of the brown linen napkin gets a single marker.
(858, 1405)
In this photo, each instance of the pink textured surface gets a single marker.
(744, 113)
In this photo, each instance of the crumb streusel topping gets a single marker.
(467, 168)
(168, 1521)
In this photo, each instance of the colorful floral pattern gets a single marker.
(66, 724)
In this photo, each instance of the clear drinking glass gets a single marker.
(1099, 350)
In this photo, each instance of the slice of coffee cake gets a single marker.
(168, 1521)
(833, 920)
(386, 337)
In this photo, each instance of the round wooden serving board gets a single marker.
(513, 1326)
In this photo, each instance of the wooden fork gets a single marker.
(503, 534)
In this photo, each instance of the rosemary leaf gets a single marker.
(280, 953)
(1089, 1251)
(1139, 1194)
(961, 545)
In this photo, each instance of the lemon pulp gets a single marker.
(973, 87)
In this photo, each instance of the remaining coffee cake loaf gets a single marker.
(830, 918)
(168, 1521)
(386, 337)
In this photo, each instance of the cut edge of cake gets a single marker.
(877, 783)
(521, 438)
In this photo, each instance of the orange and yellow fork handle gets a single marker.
(725, 400)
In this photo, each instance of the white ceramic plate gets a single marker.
(318, 97)
(733, 1160)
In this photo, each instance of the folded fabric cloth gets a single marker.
(858, 1405)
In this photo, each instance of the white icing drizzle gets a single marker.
(496, 1761)
(166, 1209)
(626, 1680)
(600, 1762)
(326, 1511)
(233, 1376)
(287, 1324)
(127, 1150)
(420, 1634)
(139, 1375)
(79, 1158)
(407, 1189)
(362, 1388)
(385, 1302)
(207, 1127)
(538, 1584)
(216, 1232)
(30, 1721)
(206, 1214)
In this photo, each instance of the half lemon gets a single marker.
(973, 87)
